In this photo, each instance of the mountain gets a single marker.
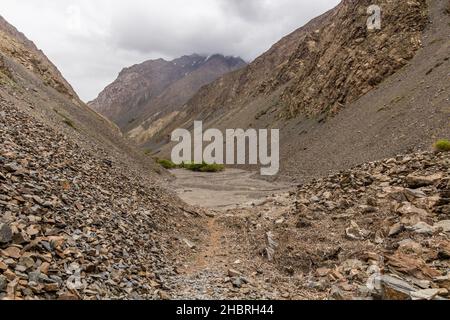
(81, 212)
(159, 86)
(16, 46)
(340, 93)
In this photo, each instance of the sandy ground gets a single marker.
(230, 189)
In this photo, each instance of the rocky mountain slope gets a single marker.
(16, 46)
(81, 215)
(340, 93)
(158, 86)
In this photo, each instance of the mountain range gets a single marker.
(154, 89)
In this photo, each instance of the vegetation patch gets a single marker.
(66, 119)
(69, 123)
(203, 167)
(442, 145)
(196, 167)
(167, 164)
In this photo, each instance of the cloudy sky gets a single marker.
(91, 41)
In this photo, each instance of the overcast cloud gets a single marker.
(91, 41)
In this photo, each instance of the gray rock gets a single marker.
(415, 182)
(237, 283)
(426, 294)
(3, 283)
(395, 289)
(396, 229)
(5, 233)
(445, 225)
(423, 228)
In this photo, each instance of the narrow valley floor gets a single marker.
(223, 262)
(378, 231)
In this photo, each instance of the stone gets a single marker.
(12, 287)
(367, 209)
(237, 282)
(67, 296)
(415, 182)
(12, 167)
(44, 267)
(413, 266)
(12, 252)
(354, 232)
(271, 246)
(396, 229)
(444, 225)
(409, 209)
(3, 266)
(443, 282)
(410, 246)
(233, 273)
(190, 244)
(323, 272)
(426, 294)
(3, 283)
(163, 295)
(5, 233)
(51, 287)
(336, 293)
(27, 262)
(422, 228)
(413, 194)
(395, 289)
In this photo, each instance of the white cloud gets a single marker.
(91, 41)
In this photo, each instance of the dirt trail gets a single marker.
(224, 264)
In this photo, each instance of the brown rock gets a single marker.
(44, 267)
(415, 181)
(12, 252)
(68, 296)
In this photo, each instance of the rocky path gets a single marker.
(380, 230)
(224, 263)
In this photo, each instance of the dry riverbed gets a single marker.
(230, 189)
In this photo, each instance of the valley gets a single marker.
(359, 210)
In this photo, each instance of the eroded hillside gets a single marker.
(81, 212)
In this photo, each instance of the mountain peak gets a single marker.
(148, 87)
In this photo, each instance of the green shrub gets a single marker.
(167, 164)
(69, 122)
(192, 166)
(442, 145)
(212, 168)
(202, 167)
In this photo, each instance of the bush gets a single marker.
(196, 167)
(69, 123)
(442, 145)
(202, 167)
(167, 164)
(191, 166)
(212, 168)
